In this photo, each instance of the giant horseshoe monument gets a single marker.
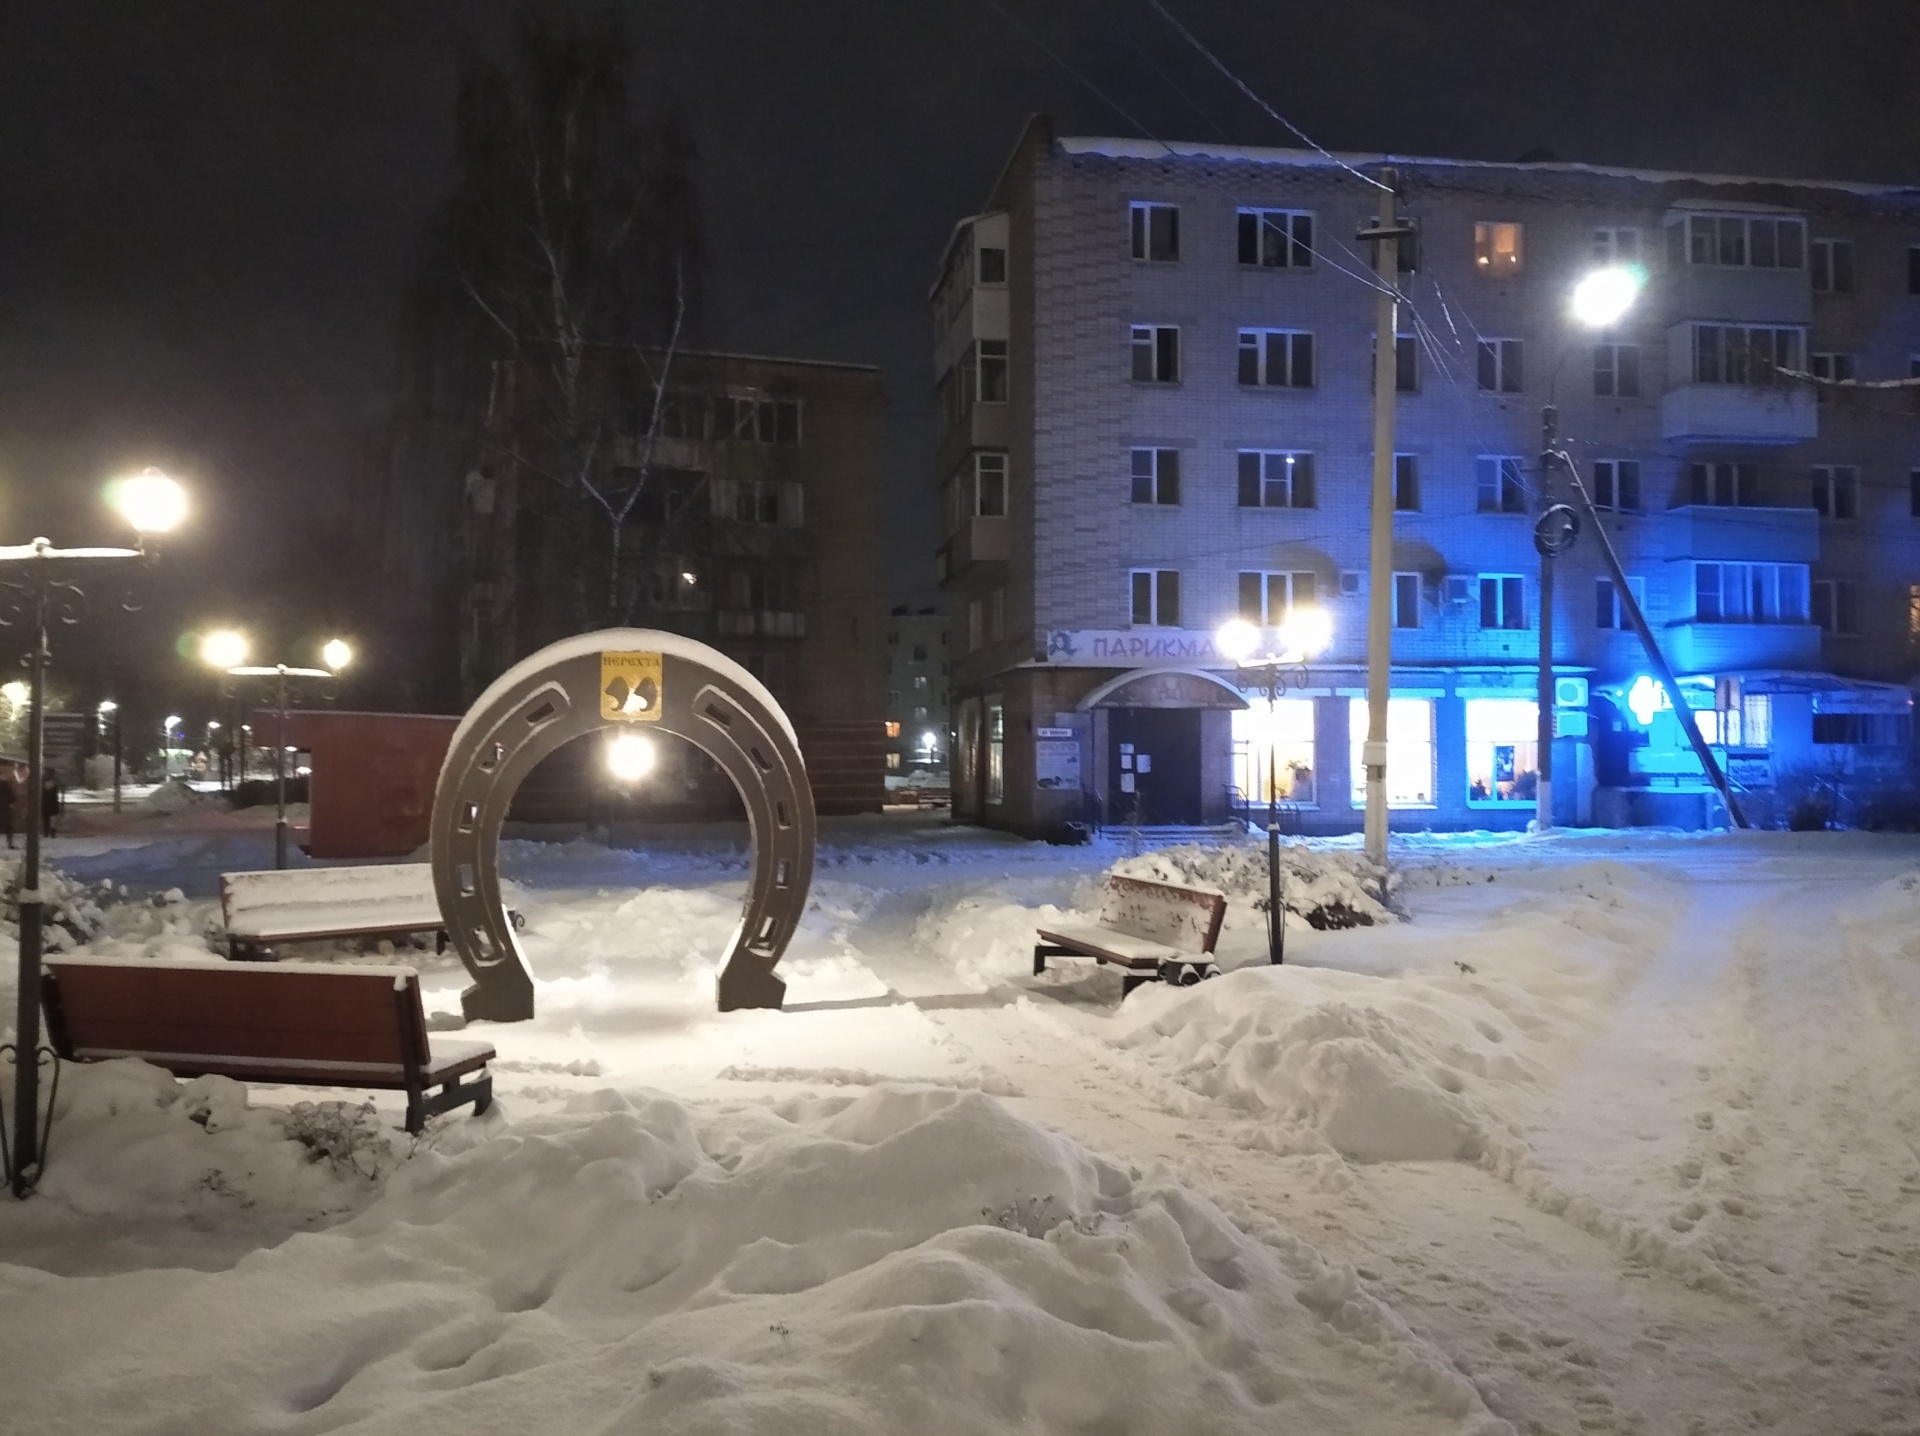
(648, 681)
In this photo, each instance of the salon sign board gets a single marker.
(1132, 648)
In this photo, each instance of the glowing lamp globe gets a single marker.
(15, 692)
(224, 648)
(630, 757)
(1236, 639)
(336, 654)
(1605, 295)
(1308, 630)
(149, 501)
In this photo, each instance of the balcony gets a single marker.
(1734, 295)
(980, 539)
(1742, 535)
(1729, 647)
(1739, 414)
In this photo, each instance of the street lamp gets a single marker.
(1600, 300)
(1302, 635)
(110, 712)
(42, 586)
(281, 673)
(167, 730)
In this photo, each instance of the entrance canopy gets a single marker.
(1165, 688)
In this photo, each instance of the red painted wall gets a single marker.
(373, 778)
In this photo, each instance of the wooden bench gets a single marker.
(1154, 930)
(263, 911)
(302, 1024)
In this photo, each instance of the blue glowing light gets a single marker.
(1646, 698)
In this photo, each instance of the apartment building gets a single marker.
(1155, 363)
(917, 675)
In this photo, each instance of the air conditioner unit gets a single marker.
(1350, 584)
(1459, 589)
(1570, 693)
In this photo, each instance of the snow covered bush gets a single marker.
(1331, 889)
(72, 912)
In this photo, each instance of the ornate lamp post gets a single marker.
(42, 587)
(110, 713)
(1306, 633)
(335, 653)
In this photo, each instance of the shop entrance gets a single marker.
(1153, 767)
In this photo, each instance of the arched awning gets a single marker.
(1165, 688)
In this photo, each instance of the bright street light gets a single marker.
(16, 692)
(173, 722)
(1307, 629)
(150, 501)
(224, 648)
(1237, 639)
(631, 756)
(1605, 295)
(107, 705)
(337, 653)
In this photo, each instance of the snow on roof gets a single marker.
(1119, 148)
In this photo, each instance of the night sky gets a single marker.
(207, 209)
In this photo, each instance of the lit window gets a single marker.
(1503, 750)
(1409, 751)
(996, 752)
(893, 728)
(1496, 247)
(1279, 741)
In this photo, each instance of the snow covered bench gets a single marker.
(1151, 929)
(302, 1024)
(264, 910)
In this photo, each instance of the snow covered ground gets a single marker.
(1608, 1132)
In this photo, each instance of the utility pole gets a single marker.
(1386, 237)
(1543, 541)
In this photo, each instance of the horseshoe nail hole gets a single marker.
(482, 943)
(766, 929)
(717, 714)
(469, 815)
(541, 714)
(464, 876)
(783, 873)
(491, 758)
(765, 763)
(781, 818)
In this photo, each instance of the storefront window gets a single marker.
(1503, 750)
(1290, 727)
(1409, 751)
(996, 752)
(966, 755)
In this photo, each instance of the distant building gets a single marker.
(916, 678)
(751, 521)
(1155, 389)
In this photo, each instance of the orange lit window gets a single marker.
(893, 730)
(1496, 247)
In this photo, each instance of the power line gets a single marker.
(1092, 88)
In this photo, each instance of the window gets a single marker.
(1409, 751)
(993, 371)
(1156, 353)
(1503, 601)
(1276, 238)
(893, 727)
(1267, 599)
(920, 682)
(1406, 364)
(992, 265)
(919, 653)
(990, 485)
(1503, 750)
(1406, 483)
(1888, 730)
(1738, 354)
(976, 625)
(1616, 370)
(893, 762)
(1156, 597)
(996, 751)
(1277, 737)
(1724, 485)
(1836, 491)
(1609, 612)
(1832, 367)
(1156, 231)
(1496, 247)
(1406, 600)
(759, 501)
(1745, 241)
(1276, 480)
(1500, 489)
(1616, 485)
(1750, 592)
(1833, 605)
(1616, 246)
(1156, 476)
(1500, 368)
(753, 418)
(1281, 358)
(1831, 261)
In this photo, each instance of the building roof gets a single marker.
(1115, 147)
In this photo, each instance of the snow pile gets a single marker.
(911, 1259)
(1890, 916)
(1328, 887)
(70, 910)
(174, 797)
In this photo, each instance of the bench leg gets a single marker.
(453, 1094)
(1039, 959)
(1130, 981)
(1042, 951)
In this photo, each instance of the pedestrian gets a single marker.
(7, 796)
(51, 792)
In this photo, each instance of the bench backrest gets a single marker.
(1186, 918)
(258, 1015)
(376, 885)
